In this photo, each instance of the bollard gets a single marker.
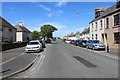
(107, 48)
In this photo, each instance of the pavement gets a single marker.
(61, 60)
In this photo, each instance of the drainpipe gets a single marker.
(107, 48)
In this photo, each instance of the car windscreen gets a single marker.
(84, 41)
(96, 41)
(33, 43)
(77, 40)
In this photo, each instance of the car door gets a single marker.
(88, 43)
(91, 44)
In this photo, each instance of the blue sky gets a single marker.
(66, 16)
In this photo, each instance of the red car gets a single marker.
(72, 42)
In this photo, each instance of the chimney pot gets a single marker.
(20, 23)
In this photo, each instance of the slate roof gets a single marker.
(22, 29)
(4, 23)
(72, 35)
(77, 33)
(108, 11)
(86, 31)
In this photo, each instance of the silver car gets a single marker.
(95, 44)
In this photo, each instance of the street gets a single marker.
(61, 60)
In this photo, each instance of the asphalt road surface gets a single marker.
(61, 60)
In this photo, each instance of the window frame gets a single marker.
(117, 37)
(96, 26)
(101, 24)
(117, 19)
(107, 23)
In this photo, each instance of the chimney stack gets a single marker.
(85, 29)
(99, 11)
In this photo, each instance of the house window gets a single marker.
(92, 36)
(96, 36)
(96, 26)
(101, 24)
(10, 29)
(92, 27)
(107, 22)
(1, 28)
(117, 19)
(117, 38)
(97, 14)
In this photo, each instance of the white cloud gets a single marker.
(59, 4)
(37, 28)
(44, 7)
(17, 22)
(51, 13)
(57, 25)
(55, 13)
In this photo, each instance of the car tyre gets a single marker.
(93, 48)
(87, 47)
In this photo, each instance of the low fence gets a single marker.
(13, 45)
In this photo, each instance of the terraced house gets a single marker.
(7, 31)
(106, 26)
(85, 34)
(112, 27)
(22, 33)
(97, 25)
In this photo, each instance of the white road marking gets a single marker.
(21, 54)
(33, 69)
(25, 76)
(7, 61)
(38, 62)
(41, 59)
(43, 56)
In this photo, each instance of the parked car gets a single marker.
(63, 40)
(82, 43)
(72, 41)
(76, 42)
(43, 44)
(48, 40)
(67, 41)
(33, 46)
(95, 44)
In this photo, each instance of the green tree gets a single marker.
(47, 30)
(35, 35)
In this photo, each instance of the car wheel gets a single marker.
(93, 48)
(26, 52)
(87, 47)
